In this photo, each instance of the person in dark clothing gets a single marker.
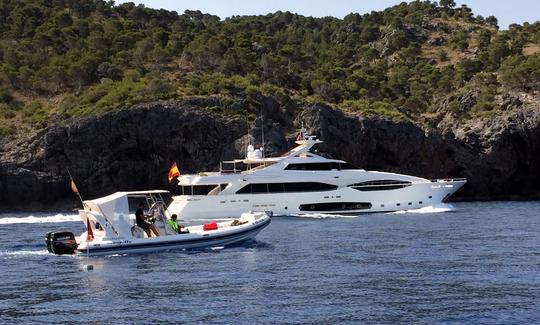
(145, 225)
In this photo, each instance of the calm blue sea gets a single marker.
(478, 263)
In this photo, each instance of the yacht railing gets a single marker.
(230, 171)
(234, 170)
(247, 166)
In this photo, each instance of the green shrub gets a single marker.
(378, 108)
(5, 129)
(31, 108)
(67, 103)
(482, 109)
(443, 55)
(483, 106)
(521, 72)
(35, 112)
(5, 96)
(415, 104)
(6, 111)
(132, 75)
(252, 91)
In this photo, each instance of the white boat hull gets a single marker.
(196, 240)
(418, 195)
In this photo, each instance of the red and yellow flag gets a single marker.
(173, 172)
(74, 188)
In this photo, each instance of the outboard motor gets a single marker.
(60, 242)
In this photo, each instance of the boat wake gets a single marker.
(443, 207)
(45, 219)
(25, 253)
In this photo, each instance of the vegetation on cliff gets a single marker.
(60, 58)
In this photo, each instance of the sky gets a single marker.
(507, 12)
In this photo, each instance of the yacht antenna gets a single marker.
(301, 135)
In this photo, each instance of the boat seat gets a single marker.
(137, 232)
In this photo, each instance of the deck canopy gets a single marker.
(115, 207)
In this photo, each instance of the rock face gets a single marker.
(132, 149)
(124, 150)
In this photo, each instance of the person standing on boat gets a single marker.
(145, 225)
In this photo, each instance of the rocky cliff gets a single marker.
(133, 148)
(125, 150)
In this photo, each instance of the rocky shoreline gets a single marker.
(132, 149)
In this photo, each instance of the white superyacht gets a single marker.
(302, 182)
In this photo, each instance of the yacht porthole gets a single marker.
(430, 197)
(286, 208)
(398, 204)
(420, 202)
(410, 203)
(312, 207)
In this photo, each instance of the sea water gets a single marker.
(466, 263)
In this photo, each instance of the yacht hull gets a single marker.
(344, 200)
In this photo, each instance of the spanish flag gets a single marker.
(74, 188)
(173, 172)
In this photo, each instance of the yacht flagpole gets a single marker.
(87, 249)
(86, 267)
(89, 237)
(74, 187)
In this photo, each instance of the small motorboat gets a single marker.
(111, 228)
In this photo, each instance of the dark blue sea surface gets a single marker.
(479, 263)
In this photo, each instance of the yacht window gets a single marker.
(256, 188)
(275, 187)
(186, 190)
(335, 206)
(308, 187)
(202, 189)
(347, 166)
(244, 190)
(259, 188)
(313, 166)
(380, 185)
